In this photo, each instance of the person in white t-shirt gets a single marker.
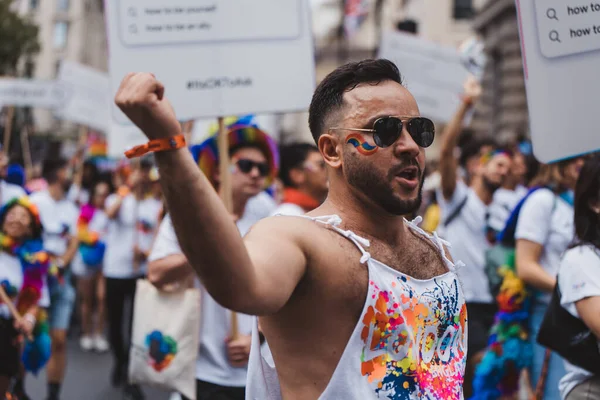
(134, 215)
(304, 177)
(92, 227)
(59, 218)
(464, 223)
(221, 367)
(544, 231)
(579, 277)
(508, 196)
(84, 179)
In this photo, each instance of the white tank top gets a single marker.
(410, 342)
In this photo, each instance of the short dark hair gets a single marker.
(51, 167)
(329, 95)
(472, 147)
(292, 157)
(587, 190)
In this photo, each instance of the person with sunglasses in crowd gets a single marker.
(348, 295)
(579, 277)
(222, 362)
(304, 175)
(464, 223)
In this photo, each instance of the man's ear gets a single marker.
(330, 147)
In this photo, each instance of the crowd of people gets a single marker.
(355, 294)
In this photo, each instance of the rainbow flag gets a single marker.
(96, 145)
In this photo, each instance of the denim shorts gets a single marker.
(62, 301)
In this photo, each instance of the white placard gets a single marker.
(561, 75)
(89, 98)
(433, 73)
(31, 93)
(121, 138)
(216, 58)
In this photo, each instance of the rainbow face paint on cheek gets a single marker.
(361, 145)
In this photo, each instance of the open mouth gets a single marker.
(409, 173)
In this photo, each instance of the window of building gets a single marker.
(463, 9)
(61, 32)
(62, 5)
(33, 4)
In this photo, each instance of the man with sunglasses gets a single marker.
(465, 223)
(304, 175)
(354, 301)
(221, 367)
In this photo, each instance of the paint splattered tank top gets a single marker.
(410, 342)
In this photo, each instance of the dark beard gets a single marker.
(366, 179)
(492, 187)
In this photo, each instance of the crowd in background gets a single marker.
(102, 230)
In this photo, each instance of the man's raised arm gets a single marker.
(448, 163)
(205, 230)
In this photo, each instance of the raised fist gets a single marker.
(472, 89)
(141, 98)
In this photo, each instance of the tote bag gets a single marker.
(165, 338)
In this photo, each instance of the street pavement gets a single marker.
(88, 378)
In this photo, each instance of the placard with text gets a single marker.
(216, 58)
(560, 43)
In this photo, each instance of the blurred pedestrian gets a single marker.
(579, 277)
(133, 214)
(92, 228)
(465, 224)
(304, 175)
(59, 218)
(544, 231)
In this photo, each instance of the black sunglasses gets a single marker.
(387, 130)
(246, 166)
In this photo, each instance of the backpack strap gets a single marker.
(456, 212)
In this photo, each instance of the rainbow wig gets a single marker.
(242, 131)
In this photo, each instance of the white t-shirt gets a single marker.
(547, 219)
(467, 235)
(502, 206)
(212, 365)
(98, 224)
(8, 191)
(578, 279)
(289, 209)
(12, 271)
(259, 207)
(78, 195)
(59, 219)
(135, 223)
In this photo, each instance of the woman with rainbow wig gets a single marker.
(24, 266)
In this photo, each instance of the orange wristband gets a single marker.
(165, 144)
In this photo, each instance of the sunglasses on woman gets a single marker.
(387, 130)
(246, 166)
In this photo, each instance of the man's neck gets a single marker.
(56, 191)
(239, 206)
(481, 190)
(362, 216)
